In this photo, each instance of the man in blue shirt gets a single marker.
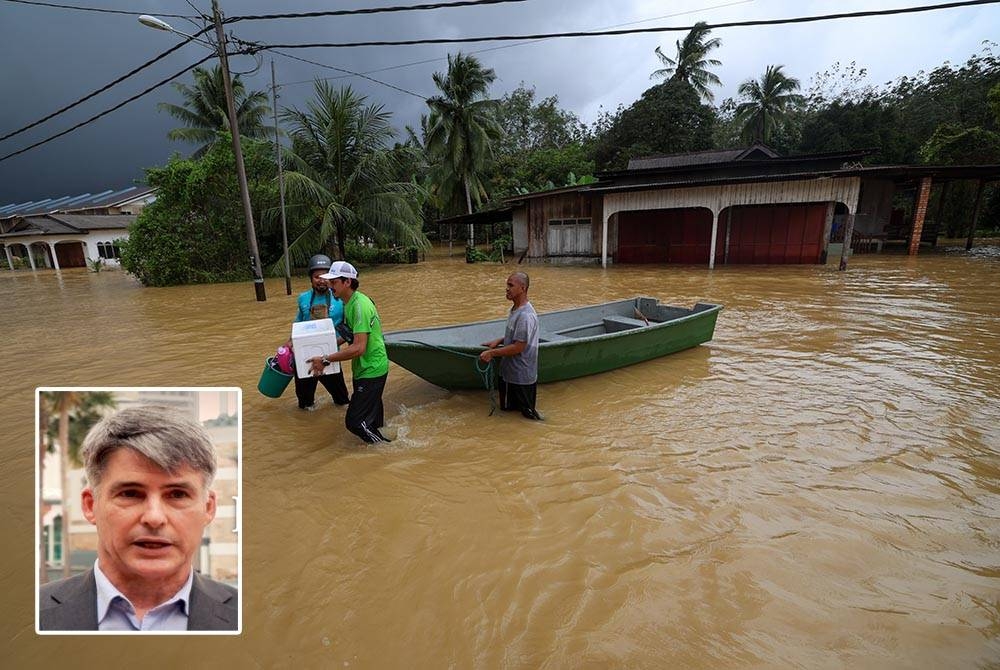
(320, 294)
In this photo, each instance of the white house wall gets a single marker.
(90, 242)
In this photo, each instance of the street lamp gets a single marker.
(153, 22)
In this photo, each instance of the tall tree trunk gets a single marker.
(468, 204)
(64, 454)
(340, 241)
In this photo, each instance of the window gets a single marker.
(109, 250)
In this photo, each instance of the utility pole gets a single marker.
(281, 181)
(258, 277)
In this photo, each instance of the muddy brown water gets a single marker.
(819, 486)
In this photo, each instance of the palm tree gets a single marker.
(461, 130)
(69, 415)
(341, 177)
(692, 62)
(204, 112)
(768, 103)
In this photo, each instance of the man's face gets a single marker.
(318, 282)
(514, 288)
(338, 284)
(149, 522)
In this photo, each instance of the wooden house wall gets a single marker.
(556, 206)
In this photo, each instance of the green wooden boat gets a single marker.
(572, 342)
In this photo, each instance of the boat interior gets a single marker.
(611, 318)
(560, 326)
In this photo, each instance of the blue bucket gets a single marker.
(273, 381)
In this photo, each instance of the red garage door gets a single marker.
(773, 234)
(70, 255)
(664, 236)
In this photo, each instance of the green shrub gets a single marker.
(381, 256)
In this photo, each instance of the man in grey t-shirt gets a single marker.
(519, 351)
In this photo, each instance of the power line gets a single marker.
(108, 111)
(90, 9)
(509, 46)
(102, 89)
(349, 73)
(371, 10)
(633, 31)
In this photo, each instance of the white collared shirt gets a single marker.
(116, 613)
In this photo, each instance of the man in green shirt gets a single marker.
(366, 348)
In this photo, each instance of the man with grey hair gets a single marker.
(518, 349)
(149, 473)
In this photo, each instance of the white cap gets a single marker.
(341, 269)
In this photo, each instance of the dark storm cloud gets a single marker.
(54, 56)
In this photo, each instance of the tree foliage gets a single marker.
(344, 180)
(462, 131)
(204, 110)
(668, 118)
(844, 113)
(768, 104)
(542, 144)
(195, 230)
(952, 144)
(691, 64)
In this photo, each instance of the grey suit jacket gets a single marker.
(71, 604)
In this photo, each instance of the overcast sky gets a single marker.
(51, 57)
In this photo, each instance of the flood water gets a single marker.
(819, 486)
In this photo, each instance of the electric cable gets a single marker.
(350, 73)
(502, 46)
(634, 31)
(90, 9)
(102, 89)
(107, 111)
(370, 10)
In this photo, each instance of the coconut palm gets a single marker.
(692, 61)
(67, 416)
(204, 111)
(768, 103)
(340, 180)
(461, 130)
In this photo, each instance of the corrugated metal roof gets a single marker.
(895, 172)
(107, 198)
(756, 151)
(67, 224)
(95, 221)
(41, 225)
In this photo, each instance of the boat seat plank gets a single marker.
(549, 336)
(615, 324)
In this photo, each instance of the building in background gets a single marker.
(66, 232)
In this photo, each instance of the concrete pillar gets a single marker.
(923, 194)
(31, 257)
(10, 258)
(715, 236)
(55, 258)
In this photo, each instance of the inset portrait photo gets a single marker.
(138, 508)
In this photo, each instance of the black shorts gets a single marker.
(519, 397)
(365, 414)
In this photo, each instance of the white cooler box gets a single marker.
(311, 339)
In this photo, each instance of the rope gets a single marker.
(486, 374)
